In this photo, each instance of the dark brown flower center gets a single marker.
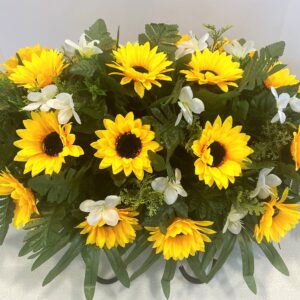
(140, 69)
(276, 212)
(52, 144)
(217, 151)
(128, 145)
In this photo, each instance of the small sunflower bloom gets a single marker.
(213, 68)
(295, 149)
(278, 218)
(45, 144)
(124, 146)
(184, 237)
(25, 203)
(141, 65)
(222, 150)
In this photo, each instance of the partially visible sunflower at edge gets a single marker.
(35, 67)
(124, 146)
(222, 151)
(295, 149)
(45, 144)
(25, 204)
(141, 65)
(183, 238)
(121, 234)
(213, 68)
(278, 218)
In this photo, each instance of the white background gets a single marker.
(27, 22)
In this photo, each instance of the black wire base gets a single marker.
(188, 277)
(107, 281)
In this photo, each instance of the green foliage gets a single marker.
(11, 97)
(98, 31)
(216, 34)
(194, 130)
(85, 67)
(6, 215)
(161, 35)
(169, 272)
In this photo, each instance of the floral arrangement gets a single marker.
(173, 147)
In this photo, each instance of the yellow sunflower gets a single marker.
(23, 198)
(124, 146)
(112, 236)
(278, 218)
(45, 143)
(213, 68)
(142, 65)
(222, 151)
(39, 68)
(22, 55)
(295, 149)
(280, 78)
(184, 237)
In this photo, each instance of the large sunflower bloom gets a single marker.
(280, 78)
(22, 55)
(213, 68)
(222, 151)
(278, 218)
(38, 69)
(45, 143)
(124, 145)
(23, 198)
(112, 236)
(295, 149)
(184, 237)
(142, 65)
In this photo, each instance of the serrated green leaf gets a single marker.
(276, 50)
(169, 272)
(118, 265)
(157, 161)
(91, 257)
(73, 251)
(85, 68)
(6, 216)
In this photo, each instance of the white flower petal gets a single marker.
(274, 92)
(76, 116)
(264, 193)
(159, 184)
(35, 97)
(112, 201)
(56, 104)
(64, 116)
(110, 217)
(186, 93)
(50, 91)
(94, 217)
(197, 106)
(226, 226)
(235, 228)
(45, 107)
(72, 44)
(31, 106)
(254, 193)
(273, 180)
(188, 116)
(65, 98)
(275, 118)
(87, 205)
(181, 191)
(265, 171)
(295, 104)
(283, 101)
(282, 116)
(171, 195)
(178, 118)
(177, 175)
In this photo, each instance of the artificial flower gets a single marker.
(183, 238)
(45, 144)
(124, 146)
(282, 102)
(222, 151)
(239, 51)
(213, 68)
(86, 49)
(294, 103)
(188, 105)
(278, 218)
(265, 184)
(233, 221)
(121, 234)
(25, 203)
(40, 99)
(64, 103)
(102, 210)
(170, 187)
(295, 149)
(188, 44)
(141, 65)
(40, 70)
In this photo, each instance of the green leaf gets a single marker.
(118, 265)
(98, 31)
(229, 242)
(196, 267)
(6, 215)
(240, 110)
(85, 68)
(157, 161)
(247, 260)
(276, 49)
(169, 272)
(162, 35)
(91, 257)
(274, 257)
(73, 251)
(152, 258)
